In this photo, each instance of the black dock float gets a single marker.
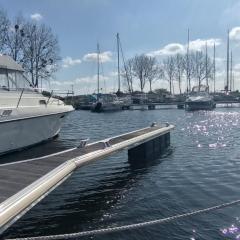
(151, 149)
(24, 183)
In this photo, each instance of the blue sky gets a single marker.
(146, 26)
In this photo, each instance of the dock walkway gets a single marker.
(24, 183)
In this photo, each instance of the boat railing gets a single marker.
(53, 96)
(19, 100)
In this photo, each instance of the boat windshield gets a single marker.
(199, 94)
(13, 80)
(200, 88)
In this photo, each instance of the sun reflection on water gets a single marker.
(232, 231)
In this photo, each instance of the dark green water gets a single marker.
(201, 169)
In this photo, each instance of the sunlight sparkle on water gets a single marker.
(232, 231)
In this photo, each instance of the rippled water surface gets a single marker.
(201, 169)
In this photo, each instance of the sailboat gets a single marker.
(108, 101)
(199, 98)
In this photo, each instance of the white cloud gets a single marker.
(61, 83)
(36, 16)
(200, 44)
(220, 60)
(196, 45)
(113, 74)
(90, 79)
(234, 34)
(57, 83)
(170, 49)
(68, 61)
(104, 57)
(236, 67)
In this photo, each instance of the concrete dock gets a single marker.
(23, 184)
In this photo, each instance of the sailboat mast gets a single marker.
(188, 77)
(206, 62)
(233, 82)
(98, 68)
(119, 83)
(214, 68)
(227, 86)
(231, 71)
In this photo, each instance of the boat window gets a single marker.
(13, 80)
(3, 79)
(6, 113)
(42, 102)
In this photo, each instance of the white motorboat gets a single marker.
(199, 99)
(27, 117)
(107, 102)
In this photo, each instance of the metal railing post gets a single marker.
(19, 100)
(50, 97)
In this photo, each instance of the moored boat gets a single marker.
(27, 117)
(199, 99)
(107, 102)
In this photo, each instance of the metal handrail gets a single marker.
(57, 91)
(19, 100)
(49, 97)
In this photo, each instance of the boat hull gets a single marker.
(103, 107)
(195, 106)
(22, 133)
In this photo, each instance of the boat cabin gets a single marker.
(106, 98)
(11, 75)
(200, 88)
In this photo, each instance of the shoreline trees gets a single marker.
(194, 67)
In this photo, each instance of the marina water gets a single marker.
(201, 169)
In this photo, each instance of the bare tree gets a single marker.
(32, 45)
(203, 67)
(153, 71)
(209, 68)
(169, 71)
(144, 68)
(199, 67)
(4, 27)
(139, 69)
(40, 52)
(13, 39)
(188, 65)
(179, 65)
(127, 74)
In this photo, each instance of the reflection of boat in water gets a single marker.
(107, 102)
(26, 116)
(199, 99)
